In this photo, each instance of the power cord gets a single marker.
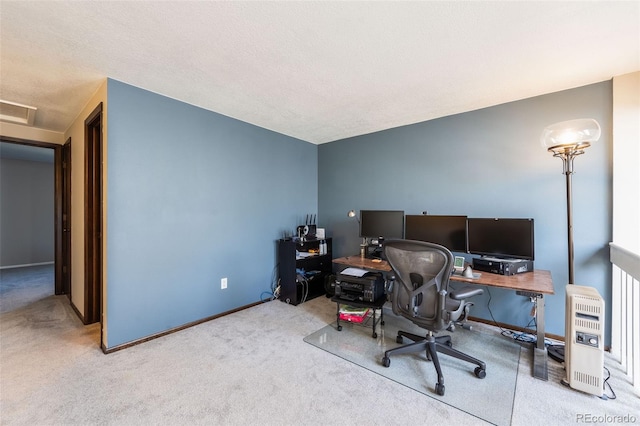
(275, 287)
(517, 336)
(305, 287)
(606, 385)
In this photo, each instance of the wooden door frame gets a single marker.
(59, 287)
(65, 216)
(93, 216)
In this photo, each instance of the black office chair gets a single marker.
(420, 292)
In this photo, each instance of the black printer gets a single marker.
(367, 288)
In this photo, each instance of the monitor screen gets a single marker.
(448, 231)
(503, 238)
(381, 223)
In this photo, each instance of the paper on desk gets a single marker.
(354, 272)
(303, 255)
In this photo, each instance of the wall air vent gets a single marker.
(17, 113)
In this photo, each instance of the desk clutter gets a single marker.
(505, 247)
(353, 313)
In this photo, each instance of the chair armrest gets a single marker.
(465, 292)
(390, 280)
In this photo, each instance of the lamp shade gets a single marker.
(581, 132)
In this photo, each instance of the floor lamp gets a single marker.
(567, 140)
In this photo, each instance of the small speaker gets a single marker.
(330, 285)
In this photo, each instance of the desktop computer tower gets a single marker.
(502, 266)
(584, 339)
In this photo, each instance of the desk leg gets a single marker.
(374, 334)
(540, 368)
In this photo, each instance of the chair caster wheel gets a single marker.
(386, 361)
(440, 389)
(382, 322)
(480, 373)
(374, 335)
(399, 339)
(339, 328)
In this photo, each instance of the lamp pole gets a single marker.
(363, 245)
(569, 225)
(567, 154)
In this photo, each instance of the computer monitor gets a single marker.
(382, 223)
(448, 231)
(502, 238)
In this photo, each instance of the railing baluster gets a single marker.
(635, 334)
(616, 314)
(625, 311)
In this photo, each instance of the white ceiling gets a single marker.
(317, 71)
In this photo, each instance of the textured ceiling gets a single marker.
(317, 71)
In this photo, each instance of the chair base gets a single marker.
(432, 345)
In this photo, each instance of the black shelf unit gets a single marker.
(316, 266)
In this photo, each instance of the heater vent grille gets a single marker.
(587, 379)
(586, 324)
(587, 305)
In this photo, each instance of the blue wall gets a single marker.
(193, 196)
(26, 209)
(486, 163)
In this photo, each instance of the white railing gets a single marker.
(625, 311)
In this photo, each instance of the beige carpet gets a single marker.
(251, 367)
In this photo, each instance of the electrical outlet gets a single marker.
(223, 283)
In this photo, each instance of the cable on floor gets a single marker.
(275, 287)
(516, 335)
(606, 385)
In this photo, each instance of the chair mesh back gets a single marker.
(422, 273)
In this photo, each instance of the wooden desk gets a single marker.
(364, 263)
(531, 284)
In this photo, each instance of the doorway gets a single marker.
(62, 256)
